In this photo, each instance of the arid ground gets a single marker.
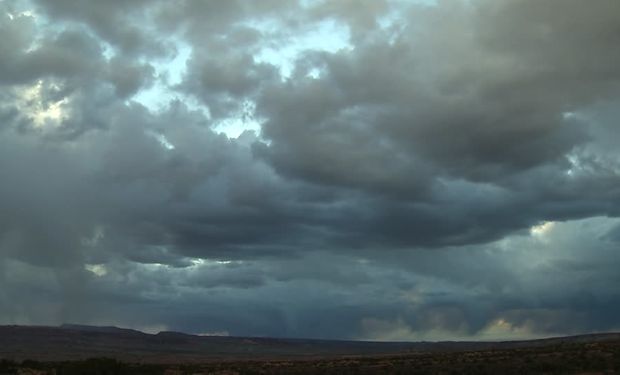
(91, 350)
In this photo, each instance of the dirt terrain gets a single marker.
(110, 350)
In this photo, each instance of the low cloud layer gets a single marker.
(334, 169)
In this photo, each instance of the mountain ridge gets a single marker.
(76, 342)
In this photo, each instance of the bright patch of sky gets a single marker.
(99, 270)
(168, 73)
(240, 122)
(30, 100)
(281, 51)
(162, 140)
(329, 36)
(199, 262)
(542, 229)
(27, 13)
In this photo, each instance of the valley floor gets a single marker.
(568, 358)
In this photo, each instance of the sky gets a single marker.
(351, 169)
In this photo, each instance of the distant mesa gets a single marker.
(77, 342)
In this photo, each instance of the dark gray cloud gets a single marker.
(115, 22)
(421, 171)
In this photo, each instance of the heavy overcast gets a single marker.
(346, 169)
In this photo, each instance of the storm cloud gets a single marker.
(392, 170)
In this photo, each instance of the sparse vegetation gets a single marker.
(603, 357)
